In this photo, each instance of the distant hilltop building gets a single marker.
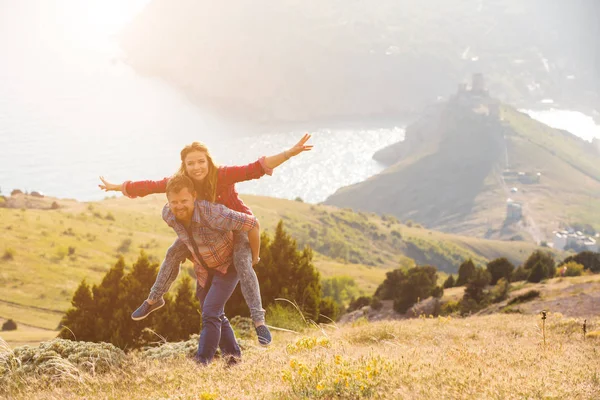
(527, 178)
(477, 87)
(477, 98)
(569, 239)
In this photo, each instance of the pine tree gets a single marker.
(80, 318)
(185, 309)
(283, 272)
(465, 272)
(106, 299)
(500, 268)
(449, 282)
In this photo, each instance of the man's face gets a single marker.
(182, 204)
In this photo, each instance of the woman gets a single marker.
(215, 184)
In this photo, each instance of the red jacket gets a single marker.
(227, 177)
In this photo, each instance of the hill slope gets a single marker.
(459, 165)
(498, 356)
(53, 250)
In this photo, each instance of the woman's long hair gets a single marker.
(207, 189)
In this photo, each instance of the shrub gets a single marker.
(475, 287)
(449, 282)
(465, 272)
(500, 268)
(328, 310)
(299, 199)
(500, 291)
(9, 325)
(109, 217)
(124, 246)
(9, 254)
(571, 268)
(589, 260)
(55, 206)
(376, 304)
(287, 317)
(405, 287)
(519, 274)
(451, 307)
(540, 265)
(60, 254)
(525, 297)
(359, 303)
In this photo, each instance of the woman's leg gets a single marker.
(215, 331)
(168, 272)
(242, 260)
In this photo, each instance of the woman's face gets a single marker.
(196, 165)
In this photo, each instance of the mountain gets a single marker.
(470, 162)
(299, 62)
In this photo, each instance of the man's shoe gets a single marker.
(264, 335)
(146, 308)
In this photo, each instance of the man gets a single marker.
(205, 228)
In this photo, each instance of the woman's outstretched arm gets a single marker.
(229, 175)
(135, 189)
(275, 161)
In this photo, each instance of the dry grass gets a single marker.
(487, 357)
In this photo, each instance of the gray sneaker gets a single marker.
(146, 308)
(264, 335)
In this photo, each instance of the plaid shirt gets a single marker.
(211, 228)
(227, 177)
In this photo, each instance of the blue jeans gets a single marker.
(216, 330)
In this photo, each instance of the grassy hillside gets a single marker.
(460, 163)
(46, 252)
(489, 357)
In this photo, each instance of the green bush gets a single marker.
(407, 287)
(466, 271)
(500, 291)
(449, 282)
(376, 303)
(451, 307)
(589, 260)
(540, 265)
(9, 325)
(528, 296)
(124, 246)
(475, 287)
(519, 274)
(357, 304)
(328, 310)
(286, 316)
(9, 254)
(571, 268)
(500, 268)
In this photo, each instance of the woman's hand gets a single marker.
(108, 187)
(255, 261)
(300, 146)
